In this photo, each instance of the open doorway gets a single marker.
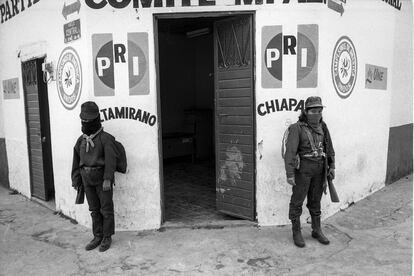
(207, 118)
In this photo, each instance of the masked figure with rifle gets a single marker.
(94, 164)
(309, 161)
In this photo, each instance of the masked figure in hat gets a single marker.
(94, 164)
(308, 144)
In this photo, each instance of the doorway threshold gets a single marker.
(208, 224)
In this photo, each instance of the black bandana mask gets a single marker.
(314, 121)
(91, 127)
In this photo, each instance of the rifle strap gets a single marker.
(310, 137)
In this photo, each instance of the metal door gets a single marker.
(38, 130)
(234, 122)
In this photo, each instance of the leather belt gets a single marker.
(92, 168)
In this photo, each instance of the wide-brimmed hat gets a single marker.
(89, 111)
(313, 102)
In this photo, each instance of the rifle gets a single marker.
(332, 190)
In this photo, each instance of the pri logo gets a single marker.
(344, 67)
(304, 46)
(106, 55)
(69, 78)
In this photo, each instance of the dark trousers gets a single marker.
(309, 183)
(100, 204)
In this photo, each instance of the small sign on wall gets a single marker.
(375, 77)
(72, 30)
(11, 89)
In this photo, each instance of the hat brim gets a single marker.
(88, 116)
(315, 106)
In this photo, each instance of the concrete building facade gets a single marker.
(255, 62)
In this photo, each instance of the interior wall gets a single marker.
(187, 83)
(204, 83)
(176, 80)
(204, 72)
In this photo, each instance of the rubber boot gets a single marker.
(297, 233)
(317, 231)
(93, 243)
(106, 243)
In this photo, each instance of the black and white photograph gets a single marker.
(206, 137)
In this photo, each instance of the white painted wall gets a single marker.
(359, 124)
(1, 103)
(42, 29)
(1, 109)
(13, 110)
(402, 87)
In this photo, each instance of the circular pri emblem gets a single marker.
(69, 78)
(344, 67)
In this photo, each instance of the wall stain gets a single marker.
(232, 168)
(361, 163)
(260, 149)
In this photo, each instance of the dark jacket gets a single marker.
(298, 143)
(102, 155)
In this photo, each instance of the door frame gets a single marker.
(44, 124)
(178, 15)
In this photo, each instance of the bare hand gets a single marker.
(106, 185)
(325, 186)
(76, 186)
(291, 181)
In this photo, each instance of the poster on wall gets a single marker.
(69, 78)
(375, 77)
(276, 45)
(344, 67)
(11, 89)
(107, 54)
(72, 31)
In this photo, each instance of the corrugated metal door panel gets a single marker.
(31, 93)
(234, 110)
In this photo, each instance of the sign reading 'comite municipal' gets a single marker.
(119, 4)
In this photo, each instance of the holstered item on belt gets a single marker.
(80, 196)
(297, 161)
